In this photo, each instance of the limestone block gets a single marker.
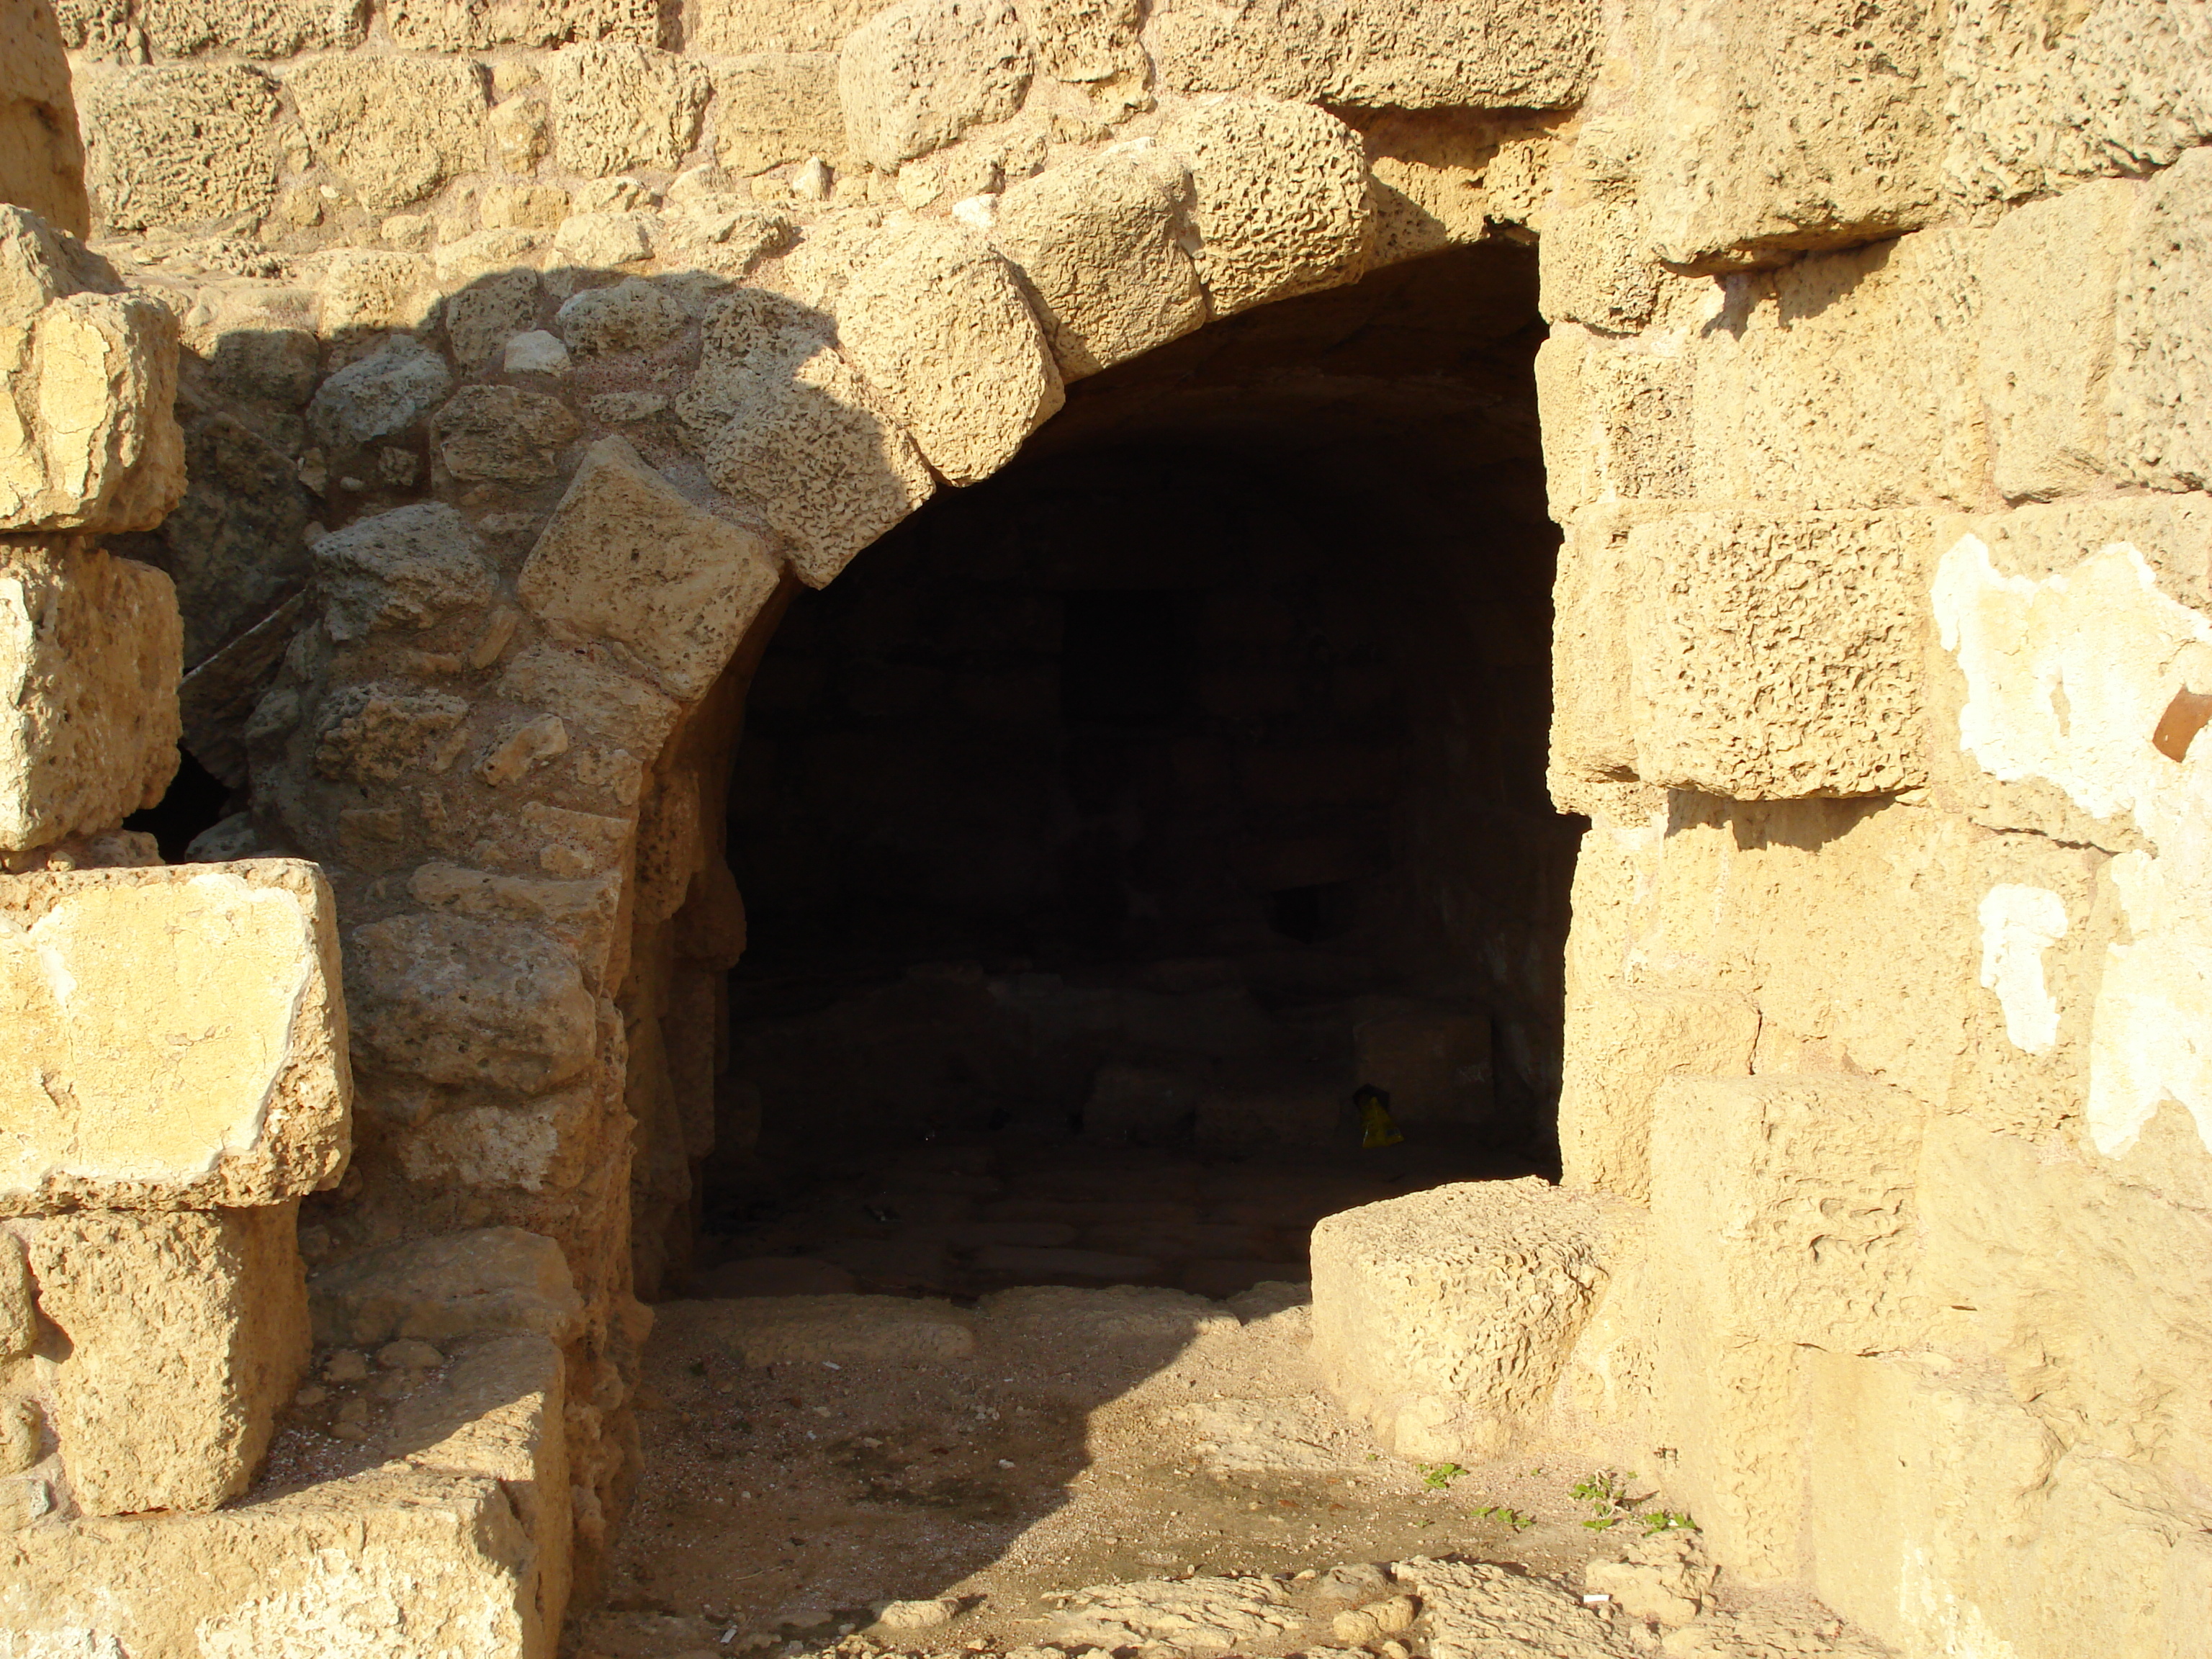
(1595, 599)
(179, 1033)
(502, 433)
(1790, 1199)
(2161, 433)
(617, 106)
(89, 434)
(783, 425)
(1442, 1320)
(479, 25)
(916, 76)
(186, 1330)
(89, 660)
(1622, 1042)
(496, 1279)
(580, 914)
(771, 107)
(396, 128)
(179, 145)
(749, 26)
(1433, 1057)
(633, 315)
(366, 290)
(1772, 130)
(1616, 420)
(372, 733)
(544, 1145)
(1099, 242)
(41, 157)
(2050, 281)
(19, 1313)
(1282, 202)
(1779, 658)
(1595, 267)
(1846, 379)
(489, 312)
(461, 1001)
(1732, 1410)
(251, 28)
(936, 321)
(380, 395)
(1399, 54)
(1089, 42)
(603, 242)
(625, 557)
(410, 568)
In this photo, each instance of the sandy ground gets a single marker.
(808, 1460)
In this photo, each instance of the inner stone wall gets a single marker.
(1873, 413)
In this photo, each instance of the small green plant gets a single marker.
(1504, 1516)
(1606, 1493)
(1666, 1521)
(1438, 1476)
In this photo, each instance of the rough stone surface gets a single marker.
(185, 1331)
(2161, 435)
(406, 568)
(1100, 247)
(771, 107)
(181, 145)
(1442, 1320)
(137, 1090)
(1192, 1615)
(89, 658)
(41, 157)
(496, 1279)
(489, 312)
(380, 395)
(625, 557)
(936, 323)
(481, 25)
(633, 315)
(1622, 1042)
(916, 76)
(394, 128)
(252, 28)
(1282, 204)
(617, 106)
(785, 426)
(725, 26)
(503, 434)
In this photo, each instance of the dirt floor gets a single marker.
(810, 1459)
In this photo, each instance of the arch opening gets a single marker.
(1109, 823)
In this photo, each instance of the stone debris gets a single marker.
(1192, 1615)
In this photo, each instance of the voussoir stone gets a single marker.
(915, 77)
(90, 653)
(625, 557)
(385, 392)
(179, 1036)
(783, 424)
(1282, 205)
(503, 435)
(409, 567)
(632, 315)
(1099, 243)
(937, 322)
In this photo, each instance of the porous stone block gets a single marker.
(916, 76)
(488, 312)
(1282, 203)
(88, 438)
(41, 157)
(617, 106)
(90, 655)
(185, 1331)
(410, 568)
(1772, 130)
(251, 28)
(1099, 242)
(1790, 1200)
(937, 322)
(457, 1542)
(1782, 657)
(1443, 1320)
(179, 145)
(364, 290)
(380, 395)
(631, 315)
(396, 128)
(1617, 418)
(625, 557)
(179, 1034)
(2161, 431)
(771, 107)
(480, 25)
(1089, 43)
(503, 434)
(783, 424)
(1398, 54)
(1621, 1043)
(492, 1280)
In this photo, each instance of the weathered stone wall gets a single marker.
(534, 352)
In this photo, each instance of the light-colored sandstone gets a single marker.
(2161, 434)
(1100, 245)
(497, 1280)
(480, 25)
(747, 26)
(185, 1331)
(617, 106)
(41, 157)
(395, 128)
(916, 76)
(936, 323)
(1443, 1320)
(1622, 1042)
(1282, 205)
(181, 145)
(784, 425)
(625, 557)
(252, 28)
(90, 655)
(135, 1088)
(774, 108)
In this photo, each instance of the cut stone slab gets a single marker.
(1442, 1320)
(495, 1280)
(177, 1038)
(91, 650)
(88, 432)
(185, 1331)
(625, 557)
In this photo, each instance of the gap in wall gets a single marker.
(1103, 827)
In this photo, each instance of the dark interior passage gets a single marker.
(1103, 828)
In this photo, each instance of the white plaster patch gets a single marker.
(2019, 924)
(2066, 678)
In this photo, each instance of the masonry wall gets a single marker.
(1873, 414)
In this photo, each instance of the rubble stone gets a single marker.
(396, 128)
(502, 433)
(380, 395)
(409, 567)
